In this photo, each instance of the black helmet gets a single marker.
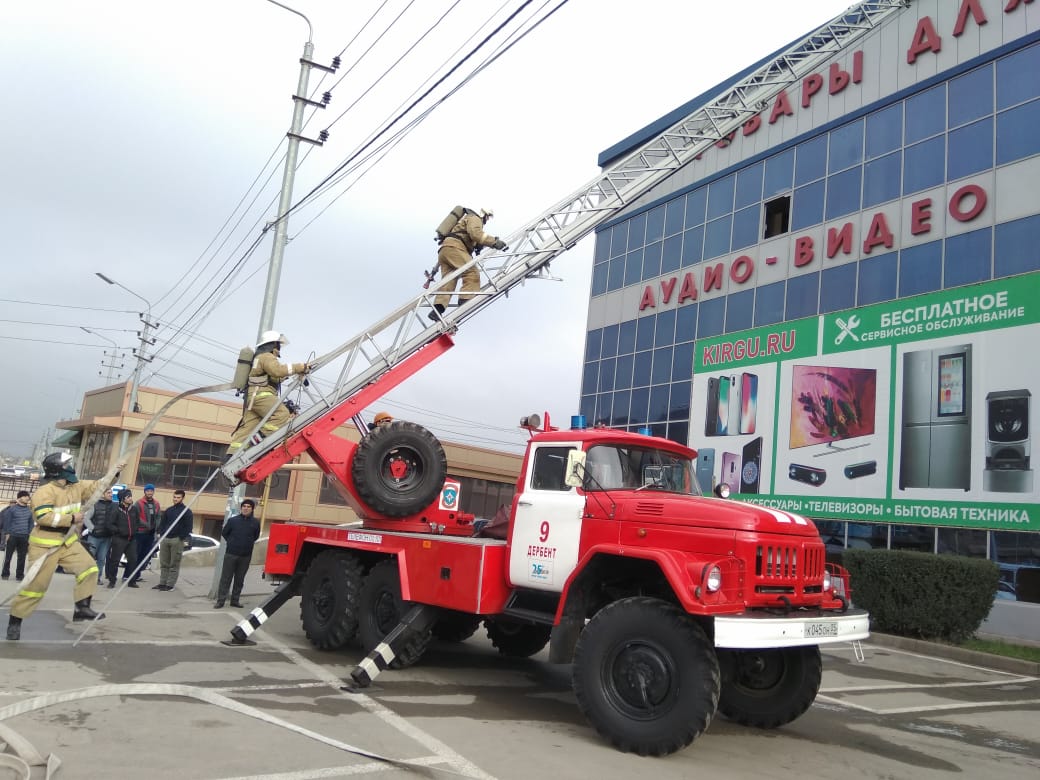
(58, 465)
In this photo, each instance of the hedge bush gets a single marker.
(922, 595)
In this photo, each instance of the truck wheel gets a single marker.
(381, 611)
(454, 626)
(768, 688)
(329, 600)
(515, 639)
(645, 676)
(399, 468)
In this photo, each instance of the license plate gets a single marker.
(818, 629)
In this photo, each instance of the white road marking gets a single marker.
(927, 686)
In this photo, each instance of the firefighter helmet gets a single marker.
(58, 465)
(382, 417)
(271, 337)
(486, 214)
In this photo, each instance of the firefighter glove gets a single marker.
(500, 245)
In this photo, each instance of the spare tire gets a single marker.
(399, 468)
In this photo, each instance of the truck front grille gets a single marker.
(788, 564)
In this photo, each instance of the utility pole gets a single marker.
(281, 230)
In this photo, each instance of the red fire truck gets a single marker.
(669, 602)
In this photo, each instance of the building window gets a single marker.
(633, 267)
(695, 204)
(664, 335)
(608, 347)
(640, 404)
(599, 279)
(623, 373)
(720, 197)
(693, 243)
(655, 224)
(619, 413)
(926, 114)
(328, 494)
(846, 147)
(881, 179)
(606, 375)
(924, 165)
(745, 227)
(94, 457)
(779, 174)
(877, 279)
(641, 368)
(645, 331)
(679, 407)
(807, 209)
(1017, 135)
(686, 322)
(673, 220)
(171, 462)
(662, 371)
(803, 294)
(710, 321)
(682, 362)
(970, 150)
(1015, 247)
(636, 232)
(716, 237)
(619, 239)
(672, 257)
(626, 337)
(968, 258)
(749, 186)
(590, 376)
(920, 269)
(811, 162)
(778, 216)
(1016, 77)
(769, 304)
(971, 96)
(843, 191)
(885, 131)
(616, 273)
(658, 403)
(593, 341)
(602, 253)
(740, 308)
(652, 260)
(838, 288)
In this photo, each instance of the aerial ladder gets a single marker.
(389, 351)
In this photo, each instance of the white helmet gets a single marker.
(271, 337)
(486, 214)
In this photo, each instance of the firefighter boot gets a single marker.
(438, 310)
(84, 612)
(14, 629)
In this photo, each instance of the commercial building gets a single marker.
(188, 444)
(837, 305)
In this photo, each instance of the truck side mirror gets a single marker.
(575, 476)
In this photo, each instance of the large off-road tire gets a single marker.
(330, 599)
(768, 688)
(381, 611)
(515, 639)
(399, 468)
(454, 626)
(646, 676)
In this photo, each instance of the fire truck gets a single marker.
(669, 601)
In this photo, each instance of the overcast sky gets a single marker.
(132, 131)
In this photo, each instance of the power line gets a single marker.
(69, 306)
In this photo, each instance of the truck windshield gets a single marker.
(619, 467)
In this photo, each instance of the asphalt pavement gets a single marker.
(151, 690)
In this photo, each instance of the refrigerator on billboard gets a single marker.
(936, 431)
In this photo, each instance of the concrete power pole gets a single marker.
(281, 230)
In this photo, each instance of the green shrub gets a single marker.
(922, 595)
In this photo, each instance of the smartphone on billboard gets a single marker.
(706, 469)
(749, 402)
(750, 471)
(723, 426)
(731, 471)
(734, 403)
(711, 413)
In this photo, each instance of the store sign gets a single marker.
(914, 411)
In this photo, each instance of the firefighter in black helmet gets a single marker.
(57, 507)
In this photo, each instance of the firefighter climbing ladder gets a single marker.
(404, 332)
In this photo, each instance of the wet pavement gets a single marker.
(152, 689)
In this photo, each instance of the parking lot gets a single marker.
(152, 689)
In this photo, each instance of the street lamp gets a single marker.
(115, 346)
(141, 359)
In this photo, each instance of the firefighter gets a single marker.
(381, 418)
(265, 379)
(456, 250)
(57, 509)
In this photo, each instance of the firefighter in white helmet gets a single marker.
(456, 250)
(262, 392)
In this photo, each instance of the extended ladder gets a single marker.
(405, 331)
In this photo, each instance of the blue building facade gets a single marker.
(908, 167)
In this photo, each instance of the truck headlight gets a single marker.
(826, 581)
(714, 579)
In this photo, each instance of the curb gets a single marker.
(973, 657)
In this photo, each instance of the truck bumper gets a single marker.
(764, 630)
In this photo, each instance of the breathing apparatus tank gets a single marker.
(242, 368)
(444, 228)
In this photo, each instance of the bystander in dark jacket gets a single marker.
(16, 521)
(240, 533)
(122, 540)
(175, 532)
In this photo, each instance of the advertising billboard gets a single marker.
(916, 410)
